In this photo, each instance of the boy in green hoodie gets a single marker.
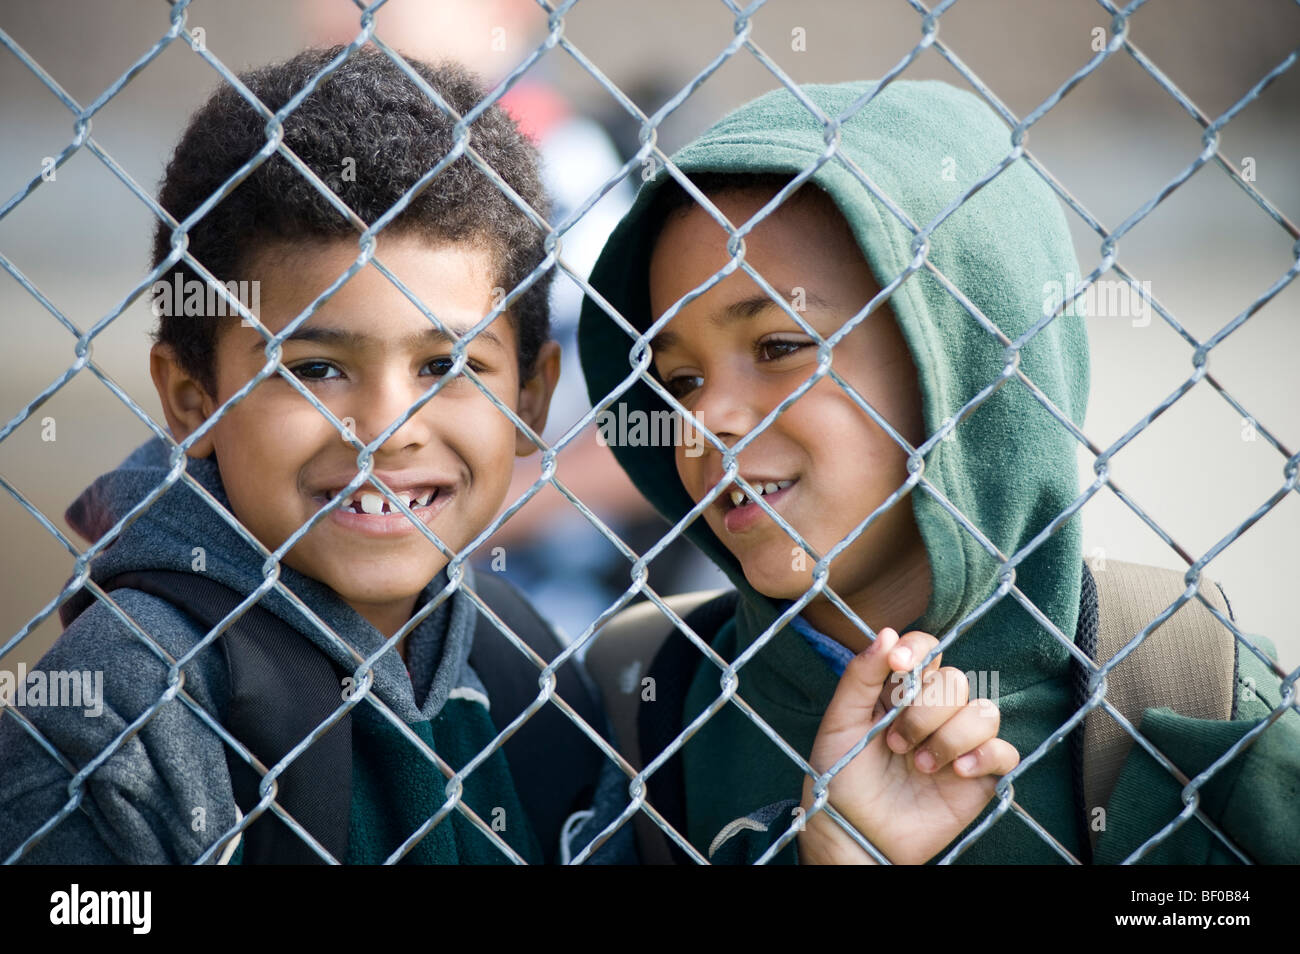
(921, 354)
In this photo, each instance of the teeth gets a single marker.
(370, 502)
(761, 490)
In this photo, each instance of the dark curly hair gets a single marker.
(367, 110)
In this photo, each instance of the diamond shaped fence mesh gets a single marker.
(81, 767)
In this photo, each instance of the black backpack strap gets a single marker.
(553, 763)
(1085, 638)
(673, 670)
(282, 687)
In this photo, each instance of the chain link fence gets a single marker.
(731, 673)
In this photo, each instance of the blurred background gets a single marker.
(1208, 251)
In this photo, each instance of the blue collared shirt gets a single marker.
(836, 654)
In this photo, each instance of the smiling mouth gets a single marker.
(739, 498)
(373, 503)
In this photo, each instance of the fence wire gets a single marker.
(730, 673)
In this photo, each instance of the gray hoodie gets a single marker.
(161, 790)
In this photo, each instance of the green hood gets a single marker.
(1011, 467)
(1010, 470)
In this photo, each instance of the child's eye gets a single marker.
(442, 366)
(308, 370)
(682, 385)
(773, 349)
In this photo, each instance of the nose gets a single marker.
(727, 405)
(386, 397)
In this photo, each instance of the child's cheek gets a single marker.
(689, 474)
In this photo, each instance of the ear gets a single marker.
(185, 403)
(535, 396)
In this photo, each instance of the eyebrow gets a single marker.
(738, 310)
(356, 341)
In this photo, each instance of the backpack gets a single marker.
(282, 686)
(1188, 664)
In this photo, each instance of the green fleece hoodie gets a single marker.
(1010, 469)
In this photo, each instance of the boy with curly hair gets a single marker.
(370, 354)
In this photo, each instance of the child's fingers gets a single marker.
(912, 648)
(853, 705)
(994, 757)
(970, 728)
(942, 696)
